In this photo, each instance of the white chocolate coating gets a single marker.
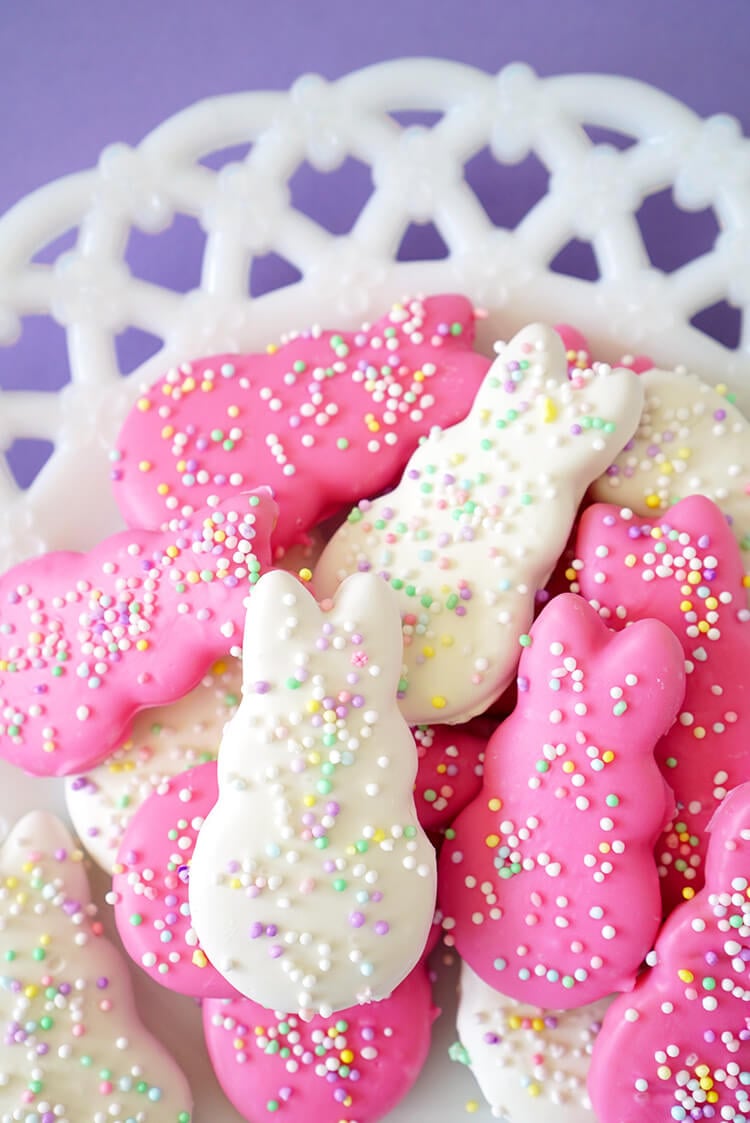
(72, 1049)
(691, 440)
(312, 885)
(164, 742)
(480, 517)
(531, 1064)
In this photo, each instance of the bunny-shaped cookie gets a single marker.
(548, 883)
(87, 640)
(685, 569)
(73, 1047)
(312, 885)
(323, 419)
(481, 514)
(678, 1046)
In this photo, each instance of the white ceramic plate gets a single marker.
(246, 211)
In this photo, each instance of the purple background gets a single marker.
(76, 76)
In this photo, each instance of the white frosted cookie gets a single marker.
(531, 1064)
(164, 741)
(312, 885)
(73, 1049)
(481, 514)
(692, 440)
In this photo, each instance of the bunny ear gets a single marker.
(729, 848)
(533, 356)
(368, 604)
(41, 838)
(280, 610)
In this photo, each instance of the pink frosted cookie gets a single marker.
(150, 885)
(530, 1064)
(578, 352)
(449, 772)
(73, 1048)
(481, 514)
(312, 885)
(683, 568)
(87, 640)
(323, 419)
(548, 884)
(163, 742)
(678, 1046)
(354, 1066)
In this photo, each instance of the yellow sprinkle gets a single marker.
(533, 1089)
(167, 389)
(699, 732)
(172, 552)
(206, 385)
(712, 1097)
(379, 835)
(604, 848)
(492, 840)
(685, 453)
(746, 581)
(457, 458)
(495, 804)
(702, 1070)
(145, 466)
(45, 939)
(347, 1056)
(188, 384)
(685, 976)
(313, 706)
(711, 603)
(181, 465)
(608, 756)
(630, 560)
(446, 641)
(162, 489)
(314, 758)
(235, 883)
(49, 746)
(686, 606)
(688, 893)
(192, 577)
(664, 1072)
(238, 1043)
(568, 766)
(514, 1022)
(656, 532)
(233, 411)
(653, 500)
(329, 716)
(419, 376)
(143, 404)
(27, 867)
(549, 410)
(472, 1106)
(438, 702)
(142, 645)
(309, 800)
(537, 1024)
(199, 958)
(219, 667)
(31, 991)
(272, 348)
(428, 652)
(442, 768)
(305, 574)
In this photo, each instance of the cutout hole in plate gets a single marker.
(26, 457)
(722, 321)
(422, 242)
(600, 135)
(576, 259)
(173, 258)
(270, 271)
(506, 191)
(133, 347)
(333, 199)
(64, 243)
(234, 154)
(38, 360)
(423, 118)
(674, 237)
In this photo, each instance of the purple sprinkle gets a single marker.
(262, 687)
(271, 930)
(382, 928)
(102, 982)
(356, 919)
(256, 929)
(275, 951)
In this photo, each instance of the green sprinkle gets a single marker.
(542, 766)
(612, 801)
(342, 444)
(525, 640)
(619, 708)
(293, 683)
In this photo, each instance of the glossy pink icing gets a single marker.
(150, 885)
(678, 1046)
(548, 887)
(372, 1056)
(449, 772)
(87, 640)
(685, 569)
(324, 419)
